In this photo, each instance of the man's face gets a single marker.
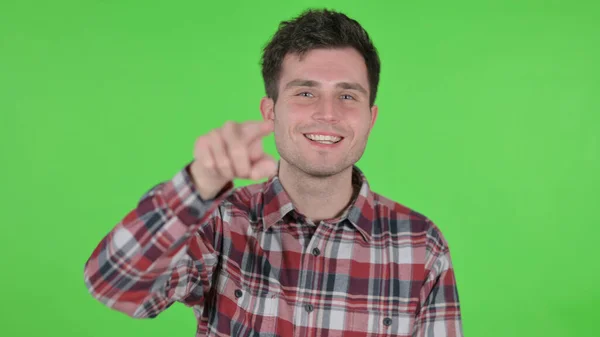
(322, 115)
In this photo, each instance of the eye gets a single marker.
(305, 94)
(346, 96)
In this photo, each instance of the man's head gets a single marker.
(321, 73)
(318, 29)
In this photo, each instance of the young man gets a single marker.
(310, 252)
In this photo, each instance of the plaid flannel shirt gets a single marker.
(249, 264)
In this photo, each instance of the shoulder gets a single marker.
(397, 219)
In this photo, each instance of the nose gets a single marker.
(327, 110)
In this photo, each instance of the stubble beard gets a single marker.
(322, 170)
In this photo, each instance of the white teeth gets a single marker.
(324, 139)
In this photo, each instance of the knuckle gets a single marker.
(224, 164)
(201, 141)
(208, 164)
(213, 134)
(229, 125)
(200, 148)
(237, 152)
(215, 140)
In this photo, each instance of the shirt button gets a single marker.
(316, 252)
(238, 293)
(309, 307)
(387, 321)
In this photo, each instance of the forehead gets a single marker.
(327, 66)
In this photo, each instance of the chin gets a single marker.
(323, 170)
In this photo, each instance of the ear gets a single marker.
(267, 108)
(374, 111)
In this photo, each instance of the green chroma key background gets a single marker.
(488, 125)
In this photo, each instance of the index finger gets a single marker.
(256, 129)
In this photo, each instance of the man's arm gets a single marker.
(439, 314)
(164, 250)
(161, 252)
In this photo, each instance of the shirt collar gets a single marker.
(276, 204)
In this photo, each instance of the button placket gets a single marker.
(321, 234)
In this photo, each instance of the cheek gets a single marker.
(284, 127)
(289, 121)
(361, 127)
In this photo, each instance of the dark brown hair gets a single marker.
(318, 29)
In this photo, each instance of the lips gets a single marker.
(323, 138)
(323, 142)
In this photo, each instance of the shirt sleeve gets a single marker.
(439, 314)
(163, 251)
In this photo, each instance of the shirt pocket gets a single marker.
(378, 323)
(241, 310)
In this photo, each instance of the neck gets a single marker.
(317, 198)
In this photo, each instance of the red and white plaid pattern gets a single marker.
(250, 265)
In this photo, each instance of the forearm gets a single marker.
(130, 268)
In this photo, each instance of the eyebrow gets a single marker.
(310, 83)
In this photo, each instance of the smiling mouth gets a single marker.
(323, 139)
